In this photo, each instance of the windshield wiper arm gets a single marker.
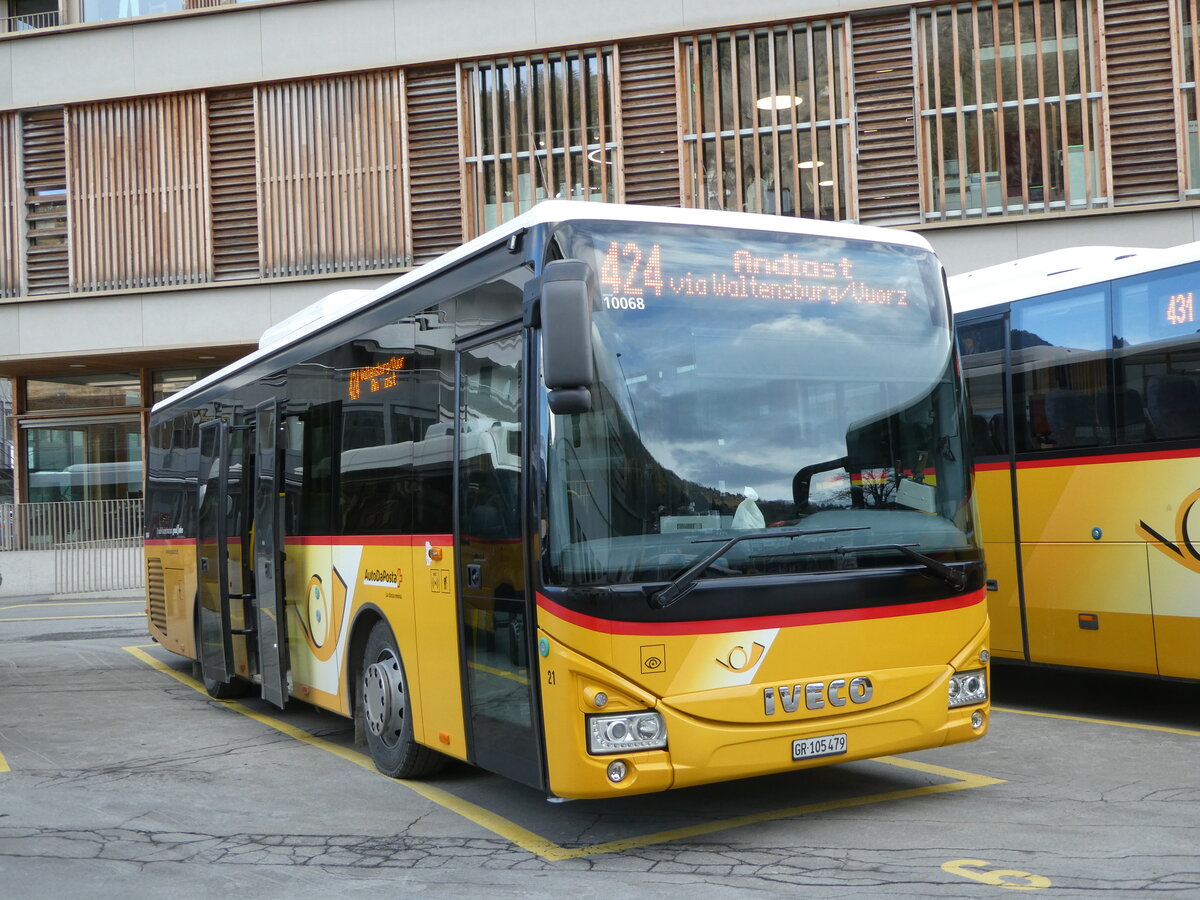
(956, 578)
(683, 582)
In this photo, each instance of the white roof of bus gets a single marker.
(342, 304)
(1060, 270)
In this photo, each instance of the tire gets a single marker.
(218, 690)
(384, 710)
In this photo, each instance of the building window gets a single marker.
(68, 392)
(1190, 48)
(538, 127)
(98, 458)
(1011, 108)
(25, 15)
(99, 10)
(767, 121)
(168, 382)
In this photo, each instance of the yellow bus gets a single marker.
(609, 500)
(1083, 372)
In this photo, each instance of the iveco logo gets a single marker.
(816, 693)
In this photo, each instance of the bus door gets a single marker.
(214, 636)
(495, 606)
(268, 554)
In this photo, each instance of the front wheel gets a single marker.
(387, 714)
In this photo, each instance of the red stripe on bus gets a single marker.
(1093, 459)
(719, 626)
(368, 540)
(991, 467)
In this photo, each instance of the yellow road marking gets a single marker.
(65, 618)
(548, 849)
(4, 764)
(500, 673)
(72, 603)
(1088, 721)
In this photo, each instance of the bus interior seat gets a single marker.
(1071, 418)
(1131, 416)
(982, 441)
(1173, 402)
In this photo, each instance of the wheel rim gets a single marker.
(383, 698)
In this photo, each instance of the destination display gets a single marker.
(633, 273)
(376, 378)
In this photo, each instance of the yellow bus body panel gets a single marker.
(718, 727)
(1110, 576)
(993, 493)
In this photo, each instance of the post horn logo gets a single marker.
(739, 660)
(1182, 550)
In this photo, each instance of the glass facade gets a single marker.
(539, 127)
(1011, 108)
(767, 121)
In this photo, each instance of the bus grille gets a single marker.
(156, 594)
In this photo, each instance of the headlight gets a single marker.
(622, 732)
(968, 688)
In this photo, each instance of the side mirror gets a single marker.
(567, 289)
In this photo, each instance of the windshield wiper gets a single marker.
(956, 578)
(683, 582)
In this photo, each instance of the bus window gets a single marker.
(1157, 359)
(982, 347)
(1060, 371)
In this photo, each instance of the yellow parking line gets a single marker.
(4, 764)
(66, 618)
(73, 603)
(1043, 715)
(548, 849)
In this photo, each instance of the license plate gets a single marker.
(813, 747)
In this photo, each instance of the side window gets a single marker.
(310, 465)
(981, 346)
(433, 422)
(1157, 355)
(1060, 358)
(376, 383)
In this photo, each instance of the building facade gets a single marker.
(178, 175)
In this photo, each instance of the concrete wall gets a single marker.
(252, 43)
(25, 573)
(152, 319)
(966, 247)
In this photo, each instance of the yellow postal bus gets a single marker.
(609, 500)
(1083, 369)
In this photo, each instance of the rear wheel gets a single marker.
(386, 712)
(220, 690)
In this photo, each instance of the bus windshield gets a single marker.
(753, 381)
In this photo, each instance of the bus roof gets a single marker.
(1060, 270)
(341, 305)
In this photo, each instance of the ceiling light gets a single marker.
(811, 164)
(779, 101)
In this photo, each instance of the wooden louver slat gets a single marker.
(138, 207)
(434, 169)
(1140, 101)
(650, 123)
(44, 162)
(330, 161)
(10, 208)
(887, 173)
(233, 179)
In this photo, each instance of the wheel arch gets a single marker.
(364, 620)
